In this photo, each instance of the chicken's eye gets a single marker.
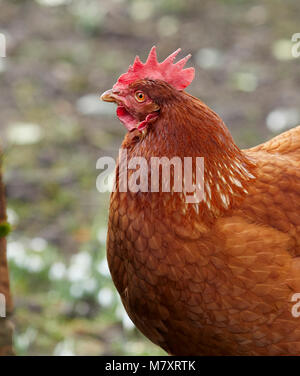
(140, 96)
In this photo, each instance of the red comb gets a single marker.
(173, 74)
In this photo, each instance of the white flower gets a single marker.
(91, 105)
(76, 290)
(57, 271)
(52, 3)
(24, 133)
(105, 297)
(102, 235)
(103, 268)
(282, 49)
(65, 348)
(38, 244)
(141, 10)
(34, 264)
(15, 251)
(167, 26)
(123, 316)
(25, 339)
(245, 81)
(89, 284)
(80, 267)
(12, 216)
(209, 58)
(282, 118)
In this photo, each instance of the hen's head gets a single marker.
(145, 88)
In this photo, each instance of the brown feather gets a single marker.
(218, 281)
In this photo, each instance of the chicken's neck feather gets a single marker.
(188, 128)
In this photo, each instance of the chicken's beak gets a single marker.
(108, 96)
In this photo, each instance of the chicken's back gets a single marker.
(262, 247)
(274, 198)
(287, 143)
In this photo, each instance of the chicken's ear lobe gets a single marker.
(154, 107)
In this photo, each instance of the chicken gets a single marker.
(215, 277)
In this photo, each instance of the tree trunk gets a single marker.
(5, 297)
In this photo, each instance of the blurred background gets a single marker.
(61, 55)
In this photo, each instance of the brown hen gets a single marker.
(216, 277)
